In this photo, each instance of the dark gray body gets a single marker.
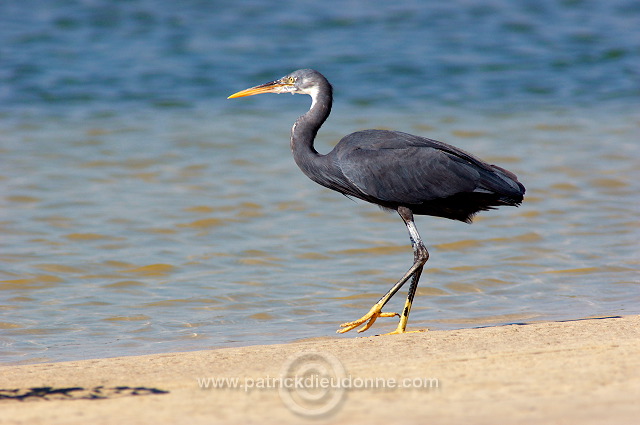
(393, 169)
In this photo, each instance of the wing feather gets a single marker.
(398, 167)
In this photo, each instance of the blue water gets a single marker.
(141, 211)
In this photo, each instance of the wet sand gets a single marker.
(573, 372)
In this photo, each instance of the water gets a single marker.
(142, 212)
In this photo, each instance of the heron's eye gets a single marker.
(289, 80)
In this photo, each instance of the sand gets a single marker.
(573, 372)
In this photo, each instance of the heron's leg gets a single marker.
(420, 257)
(404, 317)
(376, 310)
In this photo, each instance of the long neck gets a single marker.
(304, 131)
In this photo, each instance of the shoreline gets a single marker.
(580, 372)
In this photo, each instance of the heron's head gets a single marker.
(303, 81)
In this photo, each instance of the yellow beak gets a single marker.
(271, 87)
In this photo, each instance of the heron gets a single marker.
(396, 171)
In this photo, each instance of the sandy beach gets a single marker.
(574, 372)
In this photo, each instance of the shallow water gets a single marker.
(142, 212)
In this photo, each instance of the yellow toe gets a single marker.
(367, 320)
